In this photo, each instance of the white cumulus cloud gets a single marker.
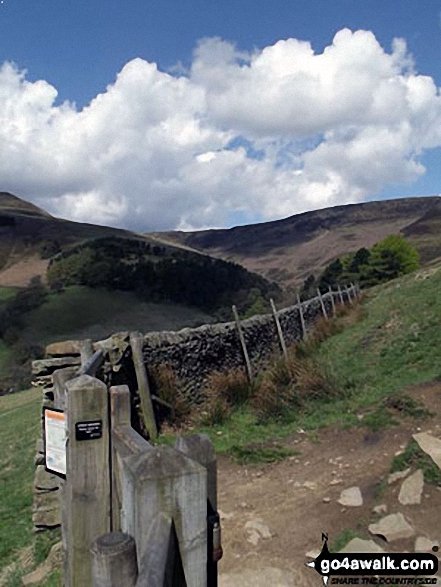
(262, 134)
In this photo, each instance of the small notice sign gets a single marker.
(91, 430)
(55, 441)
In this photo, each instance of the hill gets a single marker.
(288, 250)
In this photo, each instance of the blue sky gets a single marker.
(79, 47)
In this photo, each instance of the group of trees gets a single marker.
(388, 259)
(156, 274)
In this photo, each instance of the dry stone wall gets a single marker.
(192, 353)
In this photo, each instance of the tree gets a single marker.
(390, 258)
(331, 276)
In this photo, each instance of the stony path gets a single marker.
(273, 515)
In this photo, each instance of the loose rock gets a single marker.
(392, 527)
(412, 489)
(397, 476)
(351, 497)
(380, 509)
(364, 546)
(430, 445)
(423, 544)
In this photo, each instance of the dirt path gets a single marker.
(297, 515)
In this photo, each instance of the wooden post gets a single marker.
(60, 378)
(86, 495)
(348, 293)
(120, 417)
(86, 350)
(199, 448)
(143, 385)
(243, 345)
(154, 561)
(114, 561)
(163, 480)
(302, 318)
(341, 295)
(322, 303)
(279, 329)
(331, 293)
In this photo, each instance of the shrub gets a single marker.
(288, 384)
(166, 386)
(216, 411)
(233, 386)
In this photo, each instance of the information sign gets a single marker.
(55, 441)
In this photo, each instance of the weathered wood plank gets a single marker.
(242, 344)
(114, 561)
(302, 318)
(279, 329)
(148, 413)
(86, 493)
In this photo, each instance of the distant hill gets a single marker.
(288, 250)
(83, 254)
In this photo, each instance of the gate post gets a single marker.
(86, 494)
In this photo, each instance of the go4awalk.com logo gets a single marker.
(375, 568)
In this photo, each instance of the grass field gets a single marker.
(395, 344)
(19, 425)
(19, 429)
(81, 312)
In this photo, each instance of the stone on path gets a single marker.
(423, 544)
(256, 529)
(351, 497)
(397, 476)
(310, 485)
(380, 509)
(430, 445)
(392, 527)
(412, 489)
(359, 545)
(313, 554)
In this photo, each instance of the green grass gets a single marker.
(414, 456)
(6, 293)
(254, 455)
(19, 427)
(394, 345)
(82, 312)
(19, 430)
(343, 539)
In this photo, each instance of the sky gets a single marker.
(193, 114)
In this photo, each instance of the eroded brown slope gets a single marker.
(289, 250)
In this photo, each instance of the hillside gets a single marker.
(386, 361)
(289, 250)
(31, 239)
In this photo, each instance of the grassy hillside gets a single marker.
(391, 344)
(82, 312)
(289, 250)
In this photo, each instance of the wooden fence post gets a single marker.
(114, 561)
(348, 293)
(86, 350)
(279, 329)
(86, 495)
(199, 448)
(243, 345)
(163, 480)
(322, 303)
(331, 293)
(143, 385)
(340, 295)
(302, 318)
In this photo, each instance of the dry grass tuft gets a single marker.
(166, 386)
